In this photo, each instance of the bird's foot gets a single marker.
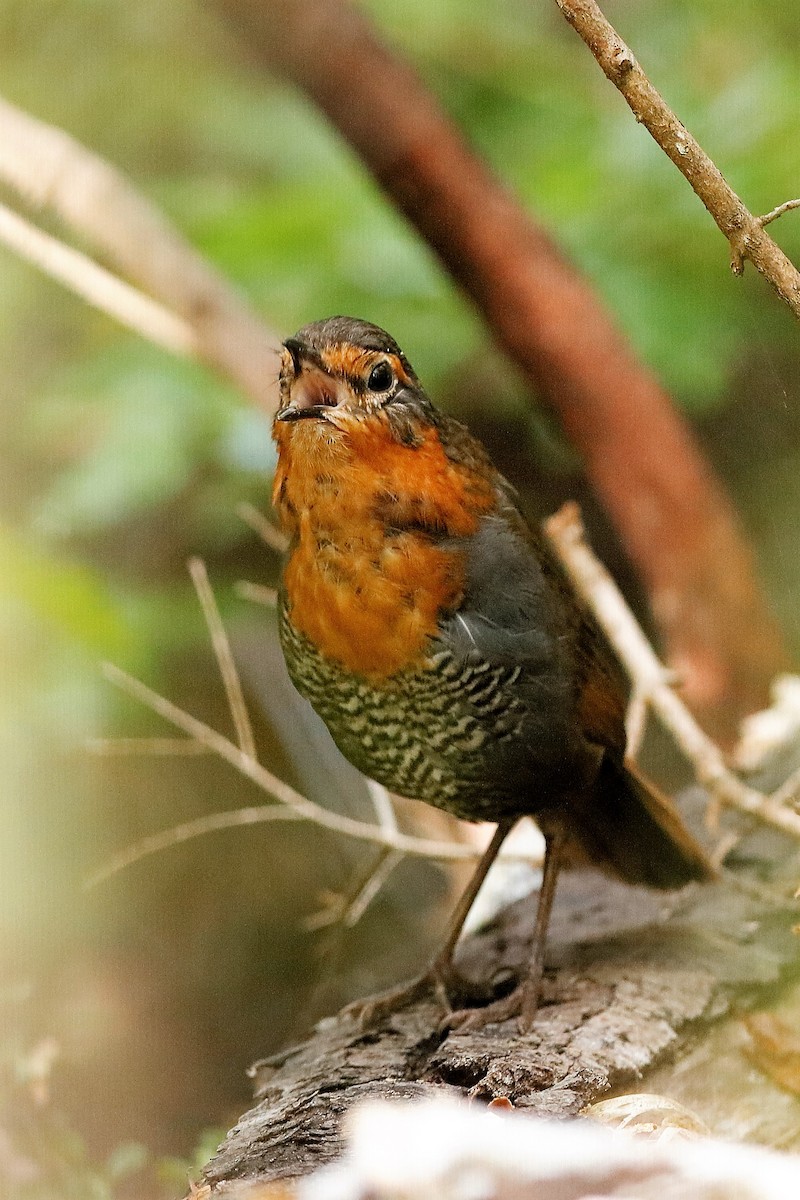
(441, 981)
(372, 1009)
(522, 1003)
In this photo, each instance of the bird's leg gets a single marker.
(443, 961)
(532, 986)
(440, 972)
(523, 1002)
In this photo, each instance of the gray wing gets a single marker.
(519, 608)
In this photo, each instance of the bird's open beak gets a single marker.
(292, 413)
(313, 393)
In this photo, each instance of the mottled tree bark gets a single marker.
(633, 982)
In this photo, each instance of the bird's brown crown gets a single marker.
(368, 485)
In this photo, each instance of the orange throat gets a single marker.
(367, 579)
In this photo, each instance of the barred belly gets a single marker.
(433, 732)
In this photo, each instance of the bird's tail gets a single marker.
(631, 828)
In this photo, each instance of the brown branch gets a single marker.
(49, 169)
(744, 232)
(672, 514)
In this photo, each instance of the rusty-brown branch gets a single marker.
(670, 510)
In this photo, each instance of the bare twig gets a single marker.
(636, 722)
(177, 834)
(787, 793)
(257, 592)
(368, 889)
(373, 885)
(774, 213)
(382, 802)
(650, 678)
(348, 909)
(49, 169)
(745, 232)
(267, 530)
(393, 844)
(302, 808)
(167, 747)
(224, 657)
(96, 285)
(726, 843)
(650, 689)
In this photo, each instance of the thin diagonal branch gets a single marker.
(177, 834)
(49, 169)
(267, 530)
(157, 747)
(348, 909)
(224, 656)
(301, 807)
(377, 878)
(650, 679)
(635, 722)
(97, 286)
(774, 213)
(382, 803)
(258, 593)
(744, 231)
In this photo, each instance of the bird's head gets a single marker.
(340, 372)
(359, 441)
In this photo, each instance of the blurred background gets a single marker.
(129, 1012)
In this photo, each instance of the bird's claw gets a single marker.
(374, 1008)
(521, 1003)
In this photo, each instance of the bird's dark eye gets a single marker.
(381, 377)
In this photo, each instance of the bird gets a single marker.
(436, 634)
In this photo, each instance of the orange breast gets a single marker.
(365, 583)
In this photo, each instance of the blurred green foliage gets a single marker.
(118, 461)
(101, 430)
(103, 426)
